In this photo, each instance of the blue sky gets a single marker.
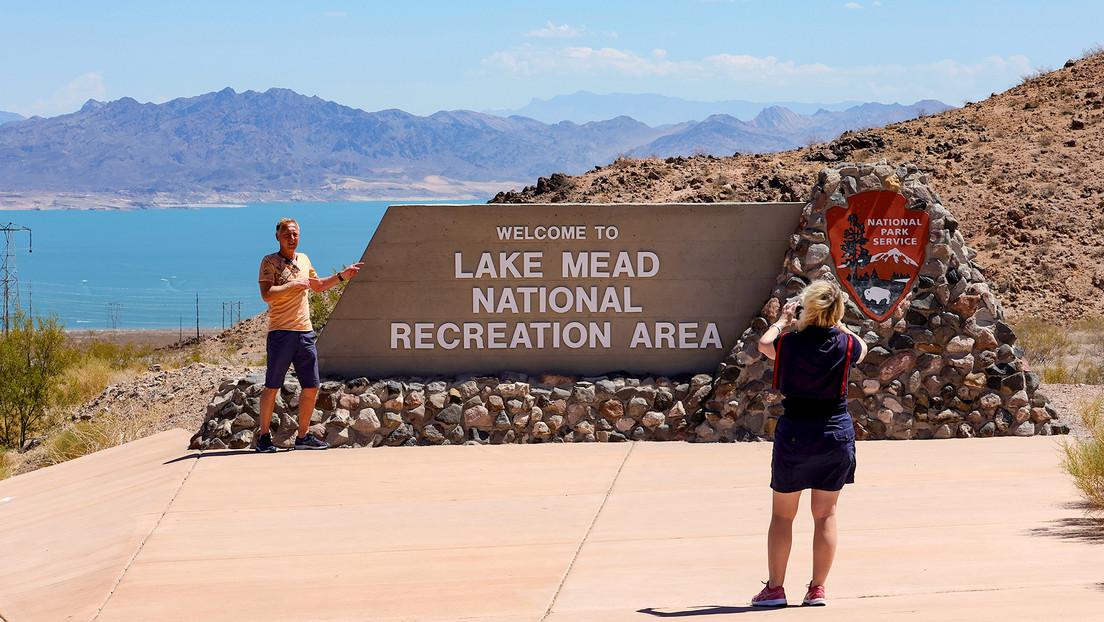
(424, 56)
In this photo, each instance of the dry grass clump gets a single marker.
(1042, 341)
(97, 363)
(1071, 354)
(1083, 458)
(81, 438)
(7, 464)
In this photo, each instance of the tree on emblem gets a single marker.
(855, 255)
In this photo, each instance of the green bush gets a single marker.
(32, 357)
(1083, 458)
(322, 304)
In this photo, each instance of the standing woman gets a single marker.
(814, 441)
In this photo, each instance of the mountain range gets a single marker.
(655, 110)
(228, 147)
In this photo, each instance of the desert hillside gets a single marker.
(1023, 171)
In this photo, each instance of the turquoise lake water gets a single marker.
(143, 269)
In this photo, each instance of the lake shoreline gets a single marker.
(122, 201)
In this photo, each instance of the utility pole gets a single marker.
(113, 314)
(9, 278)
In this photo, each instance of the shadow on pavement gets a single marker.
(210, 454)
(1087, 528)
(704, 611)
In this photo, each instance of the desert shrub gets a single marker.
(1093, 328)
(81, 438)
(1082, 371)
(96, 363)
(5, 465)
(1043, 342)
(322, 303)
(32, 356)
(1092, 50)
(1036, 73)
(1083, 458)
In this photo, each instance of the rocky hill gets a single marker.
(1023, 171)
(229, 147)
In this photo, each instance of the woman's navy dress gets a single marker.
(814, 441)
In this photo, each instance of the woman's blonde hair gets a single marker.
(823, 305)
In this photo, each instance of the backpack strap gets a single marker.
(847, 364)
(777, 383)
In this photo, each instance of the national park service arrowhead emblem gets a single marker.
(877, 247)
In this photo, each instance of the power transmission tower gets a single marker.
(9, 277)
(113, 314)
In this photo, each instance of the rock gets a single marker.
(611, 409)
(348, 401)
(652, 419)
(960, 344)
(896, 365)
(1017, 400)
(624, 424)
(450, 415)
(637, 407)
(365, 421)
(391, 419)
(478, 417)
(433, 434)
(678, 411)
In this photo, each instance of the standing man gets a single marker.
(285, 278)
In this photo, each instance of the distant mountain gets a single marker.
(280, 146)
(652, 109)
(9, 116)
(779, 129)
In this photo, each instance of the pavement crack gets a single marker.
(148, 535)
(586, 535)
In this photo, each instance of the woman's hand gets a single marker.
(789, 311)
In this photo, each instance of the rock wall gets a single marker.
(945, 364)
(474, 410)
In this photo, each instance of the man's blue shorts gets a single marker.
(287, 348)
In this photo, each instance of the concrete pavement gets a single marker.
(971, 529)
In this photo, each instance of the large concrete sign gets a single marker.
(566, 289)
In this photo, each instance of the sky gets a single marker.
(425, 56)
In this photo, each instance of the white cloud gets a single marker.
(67, 99)
(852, 5)
(556, 32)
(532, 60)
(761, 78)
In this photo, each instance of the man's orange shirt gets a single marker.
(292, 310)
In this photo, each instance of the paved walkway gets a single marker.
(978, 529)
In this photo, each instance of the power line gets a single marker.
(9, 275)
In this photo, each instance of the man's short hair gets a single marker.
(284, 222)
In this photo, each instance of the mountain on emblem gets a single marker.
(877, 246)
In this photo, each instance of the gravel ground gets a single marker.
(1070, 399)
